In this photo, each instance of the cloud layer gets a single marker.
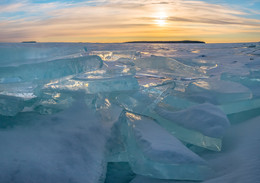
(116, 21)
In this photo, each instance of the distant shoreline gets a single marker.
(185, 41)
(29, 42)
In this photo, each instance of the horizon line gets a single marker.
(131, 42)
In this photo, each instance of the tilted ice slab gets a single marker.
(15, 96)
(203, 125)
(167, 66)
(136, 102)
(50, 70)
(28, 96)
(115, 147)
(104, 107)
(153, 152)
(14, 54)
(176, 103)
(240, 106)
(217, 91)
(143, 101)
(149, 80)
(26, 90)
(21, 83)
(10, 106)
(153, 89)
(95, 85)
(108, 112)
(49, 103)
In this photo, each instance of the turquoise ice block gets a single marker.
(153, 152)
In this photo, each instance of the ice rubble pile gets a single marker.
(160, 111)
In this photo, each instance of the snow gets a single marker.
(55, 148)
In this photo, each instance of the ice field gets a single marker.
(130, 112)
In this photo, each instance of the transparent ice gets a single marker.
(91, 113)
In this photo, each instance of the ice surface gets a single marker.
(161, 156)
(217, 91)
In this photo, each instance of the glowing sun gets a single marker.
(161, 20)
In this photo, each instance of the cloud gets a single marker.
(105, 20)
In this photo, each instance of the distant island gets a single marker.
(185, 41)
(29, 42)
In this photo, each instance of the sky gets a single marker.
(212, 21)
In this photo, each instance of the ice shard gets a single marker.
(153, 152)
(240, 106)
(152, 90)
(15, 54)
(117, 54)
(176, 103)
(94, 85)
(14, 97)
(252, 81)
(10, 106)
(203, 125)
(51, 69)
(25, 90)
(50, 103)
(217, 91)
(115, 148)
(167, 66)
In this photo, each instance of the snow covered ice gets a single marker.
(92, 113)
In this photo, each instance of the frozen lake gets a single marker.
(119, 113)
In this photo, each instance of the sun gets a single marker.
(161, 19)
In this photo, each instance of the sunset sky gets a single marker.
(129, 20)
